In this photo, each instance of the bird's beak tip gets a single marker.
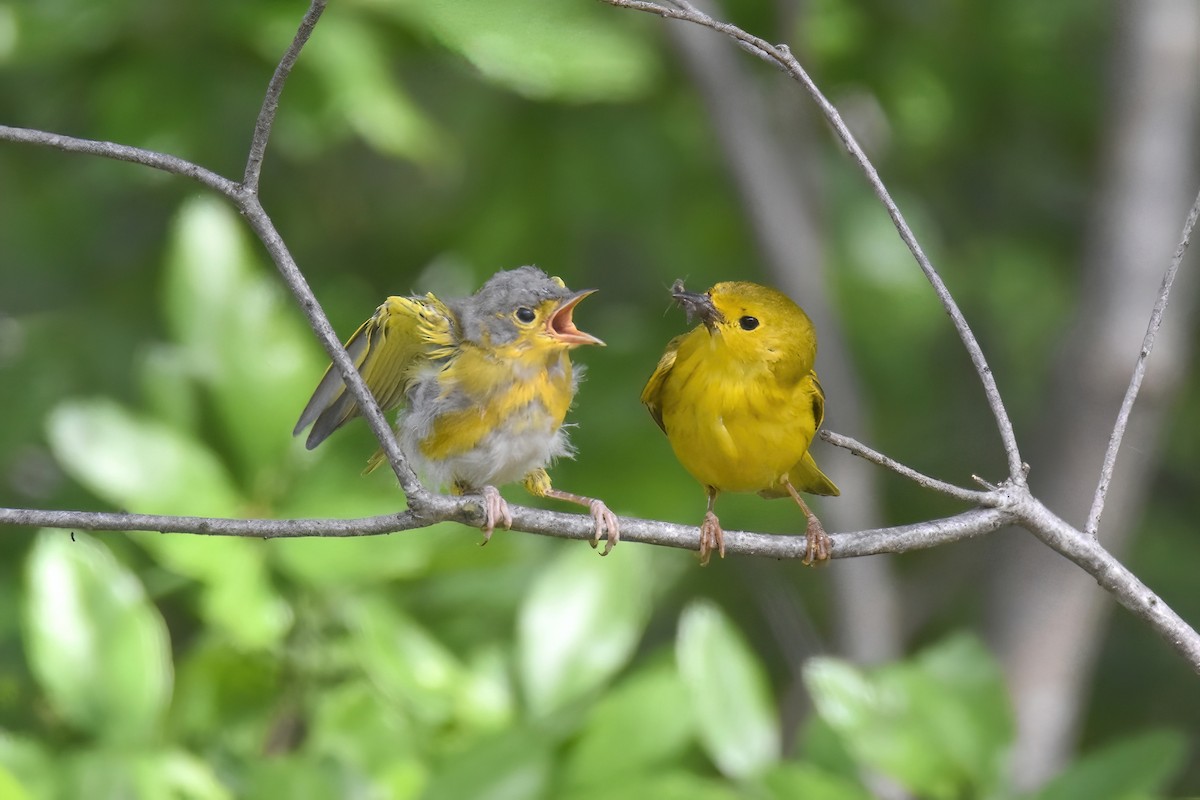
(561, 325)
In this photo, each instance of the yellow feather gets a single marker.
(737, 396)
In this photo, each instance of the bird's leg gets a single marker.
(711, 535)
(495, 510)
(537, 483)
(816, 540)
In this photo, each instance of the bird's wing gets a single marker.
(652, 394)
(806, 475)
(818, 402)
(386, 349)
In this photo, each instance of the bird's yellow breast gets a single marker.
(734, 423)
(485, 395)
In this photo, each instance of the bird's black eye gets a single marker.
(526, 315)
(748, 323)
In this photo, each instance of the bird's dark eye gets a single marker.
(526, 315)
(748, 323)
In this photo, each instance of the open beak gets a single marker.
(697, 305)
(560, 326)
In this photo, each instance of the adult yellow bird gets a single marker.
(485, 382)
(740, 403)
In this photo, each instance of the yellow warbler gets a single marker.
(486, 382)
(740, 403)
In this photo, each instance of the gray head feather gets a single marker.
(490, 309)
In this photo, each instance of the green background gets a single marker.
(151, 360)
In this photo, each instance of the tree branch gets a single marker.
(973, 497)
(466, 510)
(1112, 576)
(770, 159)
(781, 57)
(266, 114)
(122, 152)
(245, 198)
(260, 222)
(1013, 495)
(1009, 503)
(1139, 371)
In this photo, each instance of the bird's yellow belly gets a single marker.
(736, 436)
(490, 427)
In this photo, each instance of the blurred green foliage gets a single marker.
(150, 361)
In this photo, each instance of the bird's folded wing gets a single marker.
(818, 402)
(652, 394)
(404, 333)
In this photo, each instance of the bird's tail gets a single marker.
(807, 477)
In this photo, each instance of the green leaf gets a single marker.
(138, 464)
(564, 51)
(178, 774)
(351, 726)
(1133, 768)
(939, 724)
(168, 388)
(790, 780)
(10, 787)
(643, 722)
(96, 645)
(226, 692)
(404, 661)
(296, 776)
(357, 68)
(238, 599)
(729, 692)
(30, 766)
(237, 333)
(140, 775)
(512, 765)
(580, 623)
(666, 784)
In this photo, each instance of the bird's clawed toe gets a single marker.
(711, 538)
(607, 526)
(495, 511)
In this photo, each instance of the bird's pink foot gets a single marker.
(495, 511)
(607, 526)
(711, 538)
(816, 543)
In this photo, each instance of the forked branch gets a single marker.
(1139, 371)
(781, 57)
(1009, 503)
(1012, 495)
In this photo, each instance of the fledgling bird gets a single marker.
(485, 382)
(740, 403)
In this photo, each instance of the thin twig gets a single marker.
(261, 223)
(1016, 504)
(247, 202)
(266, 114)
(1112, 576)
(781, 56)
(465, 510)
(122, 152)
(1139, 371)
(1014, 495)
(986, 499)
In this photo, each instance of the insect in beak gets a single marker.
(697, 305)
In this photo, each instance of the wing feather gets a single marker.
(652, 394)
(387, 349)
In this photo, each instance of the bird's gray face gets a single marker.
(513, 301)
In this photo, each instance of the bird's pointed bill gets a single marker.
(697, 305)
(561, 326)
